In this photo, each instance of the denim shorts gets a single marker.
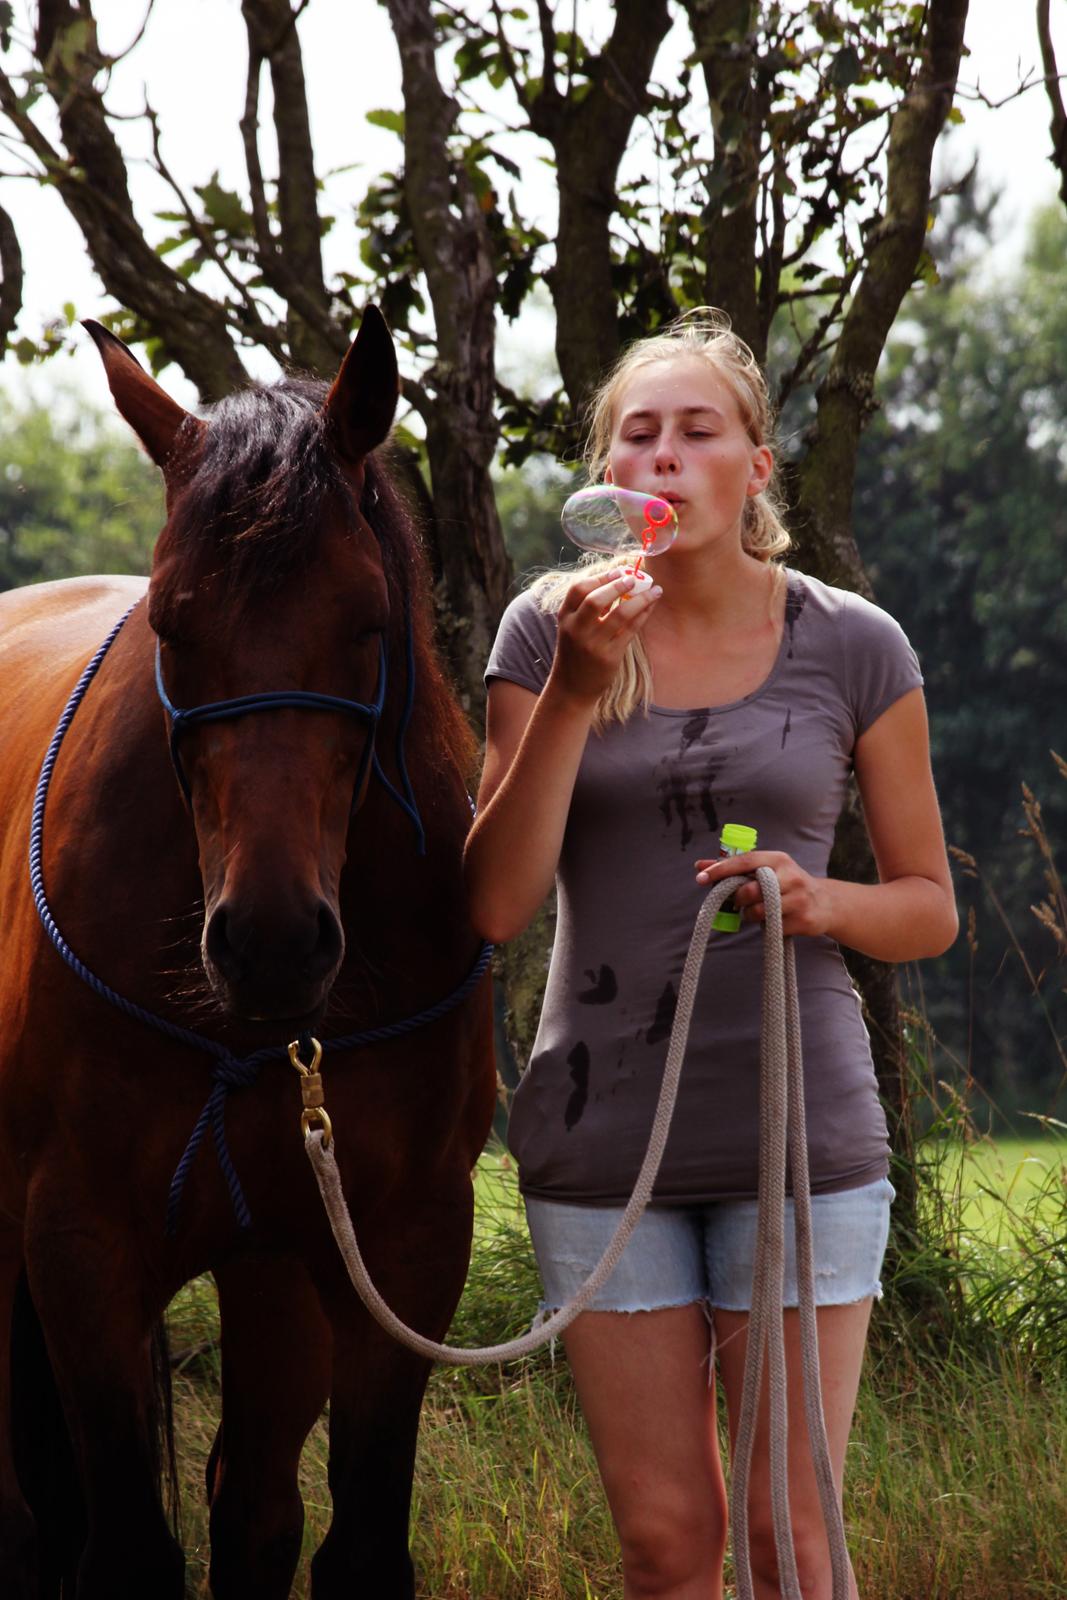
(678, 1254)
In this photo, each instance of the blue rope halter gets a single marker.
(234, 1072)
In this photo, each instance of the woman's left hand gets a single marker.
(806, 906)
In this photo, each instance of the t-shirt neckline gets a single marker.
(792, 580)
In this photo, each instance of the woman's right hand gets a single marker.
(594, 632)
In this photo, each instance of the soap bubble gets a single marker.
(619, 521)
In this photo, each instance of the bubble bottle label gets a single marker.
(735, 840)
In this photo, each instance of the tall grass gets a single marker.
(957, 1478)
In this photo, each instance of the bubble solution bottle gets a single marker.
(735, 840)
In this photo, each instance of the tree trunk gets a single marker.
(1058, 125)
(589, 137)
(724, 33)
(459, 392)
(825, 476)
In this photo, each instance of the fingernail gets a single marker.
(655, 591)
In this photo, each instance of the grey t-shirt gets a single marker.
(650, 798)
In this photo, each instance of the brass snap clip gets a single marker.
(311, 1091)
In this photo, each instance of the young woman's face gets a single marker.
(678, 434)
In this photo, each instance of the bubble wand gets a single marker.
(621, 522)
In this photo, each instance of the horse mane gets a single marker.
(263, 487)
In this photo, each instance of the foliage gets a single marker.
(529, 500)
(75, 496)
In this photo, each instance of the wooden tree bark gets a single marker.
(457, 396)
(824, 480)
(92, 182)
(291, 263)
(589, 137)
(724, 33)
(1058, 126)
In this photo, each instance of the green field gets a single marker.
(1004, 1182)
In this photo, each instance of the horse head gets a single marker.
(268, 589)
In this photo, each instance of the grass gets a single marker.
(957, 1481)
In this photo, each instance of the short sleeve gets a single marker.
(524, 646)
(880, 664)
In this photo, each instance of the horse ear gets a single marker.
(155, 418)
(359, 409)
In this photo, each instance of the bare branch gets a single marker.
(508, 58)
(10, 279)
(817, 342)
(272, 36)
(113, 61)
(92, 183)
(265, 241)
(249, 321)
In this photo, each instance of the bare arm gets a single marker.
(533, 749)
(911, 911)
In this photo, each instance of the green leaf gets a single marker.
(224, 208)
(7, 18)
(392, 120)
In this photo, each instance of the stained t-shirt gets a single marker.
(651, 797)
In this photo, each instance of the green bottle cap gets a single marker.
(736, 838)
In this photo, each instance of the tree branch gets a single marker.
(729, 71)
(113, 61)
(1058, 126)
(589, 137)
(507, 57)
(846, 397)
(10, 279)
(248, 319)
(456, 253)
(92, 184)
(272, 35)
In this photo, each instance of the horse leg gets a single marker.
(419, 1266)
(18, 1559)
(44, 1455)
(276, 1349)
(99, 1326)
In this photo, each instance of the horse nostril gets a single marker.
(217, 945)
(330, 945)
(261, 946)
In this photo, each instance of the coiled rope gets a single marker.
(781, 1106)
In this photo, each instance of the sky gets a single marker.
(190, 64)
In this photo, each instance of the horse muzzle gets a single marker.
(265, 966)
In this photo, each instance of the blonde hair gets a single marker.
(705, 333)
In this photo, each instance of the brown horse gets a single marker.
(287, 895)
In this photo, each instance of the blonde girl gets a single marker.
(735, 690)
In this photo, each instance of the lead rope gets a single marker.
(781, 1102)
